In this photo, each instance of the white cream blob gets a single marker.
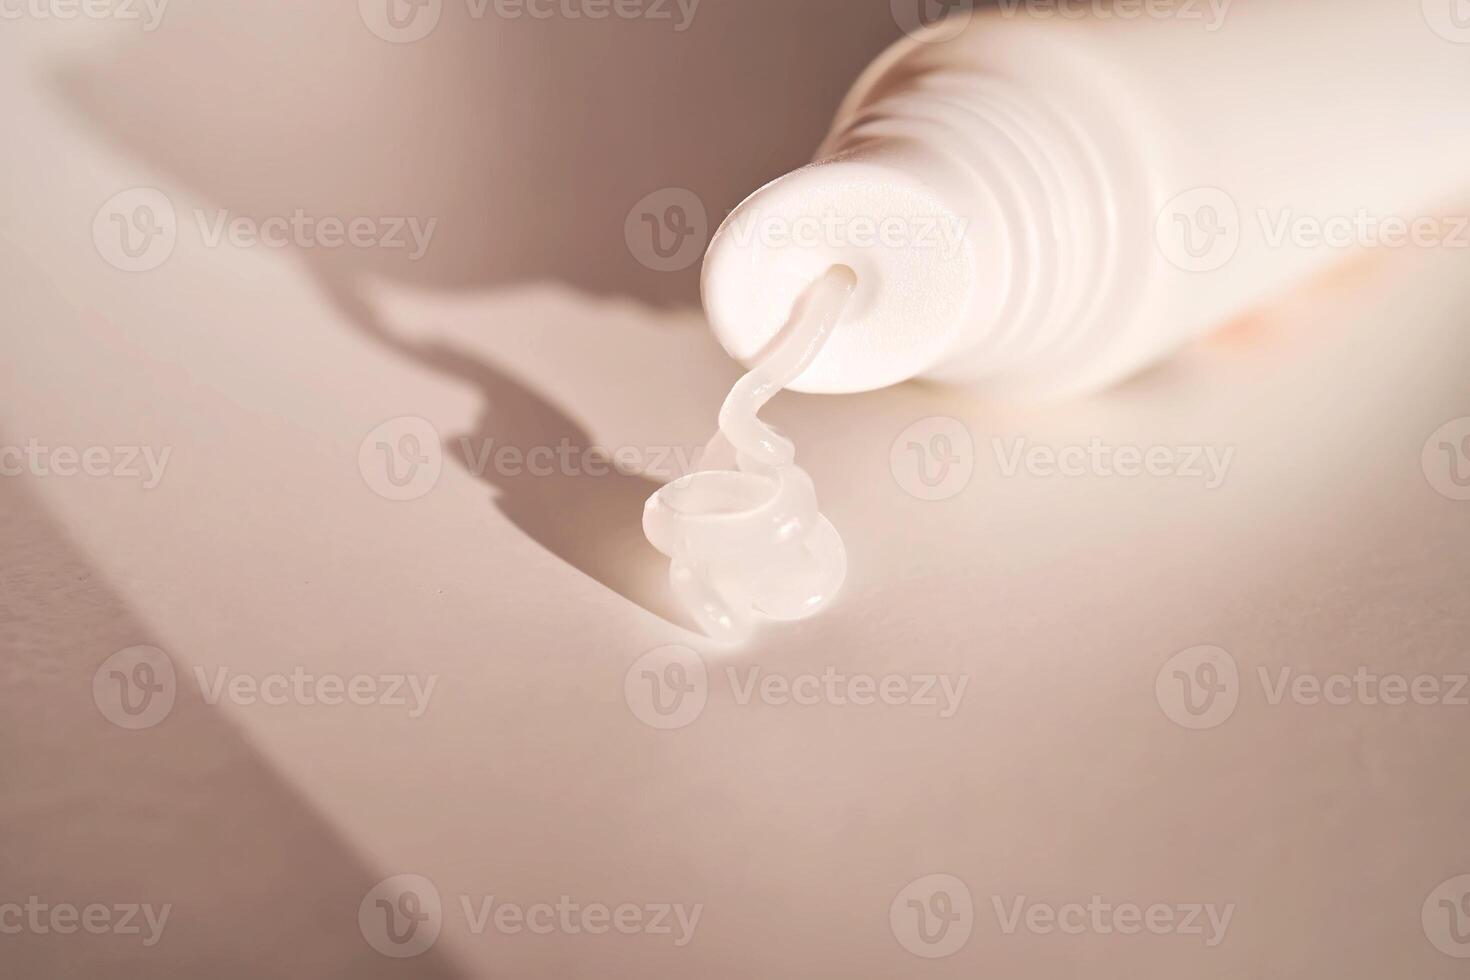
(744, 534)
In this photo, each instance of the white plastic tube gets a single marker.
(1045, 203)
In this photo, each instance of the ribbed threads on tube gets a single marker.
(1036, 201)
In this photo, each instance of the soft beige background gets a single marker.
(529, 777)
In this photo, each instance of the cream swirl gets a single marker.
(745, 535)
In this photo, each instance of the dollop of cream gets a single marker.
(744, 534)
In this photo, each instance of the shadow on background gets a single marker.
(183, 813)
(529, 142)
(589, 515)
